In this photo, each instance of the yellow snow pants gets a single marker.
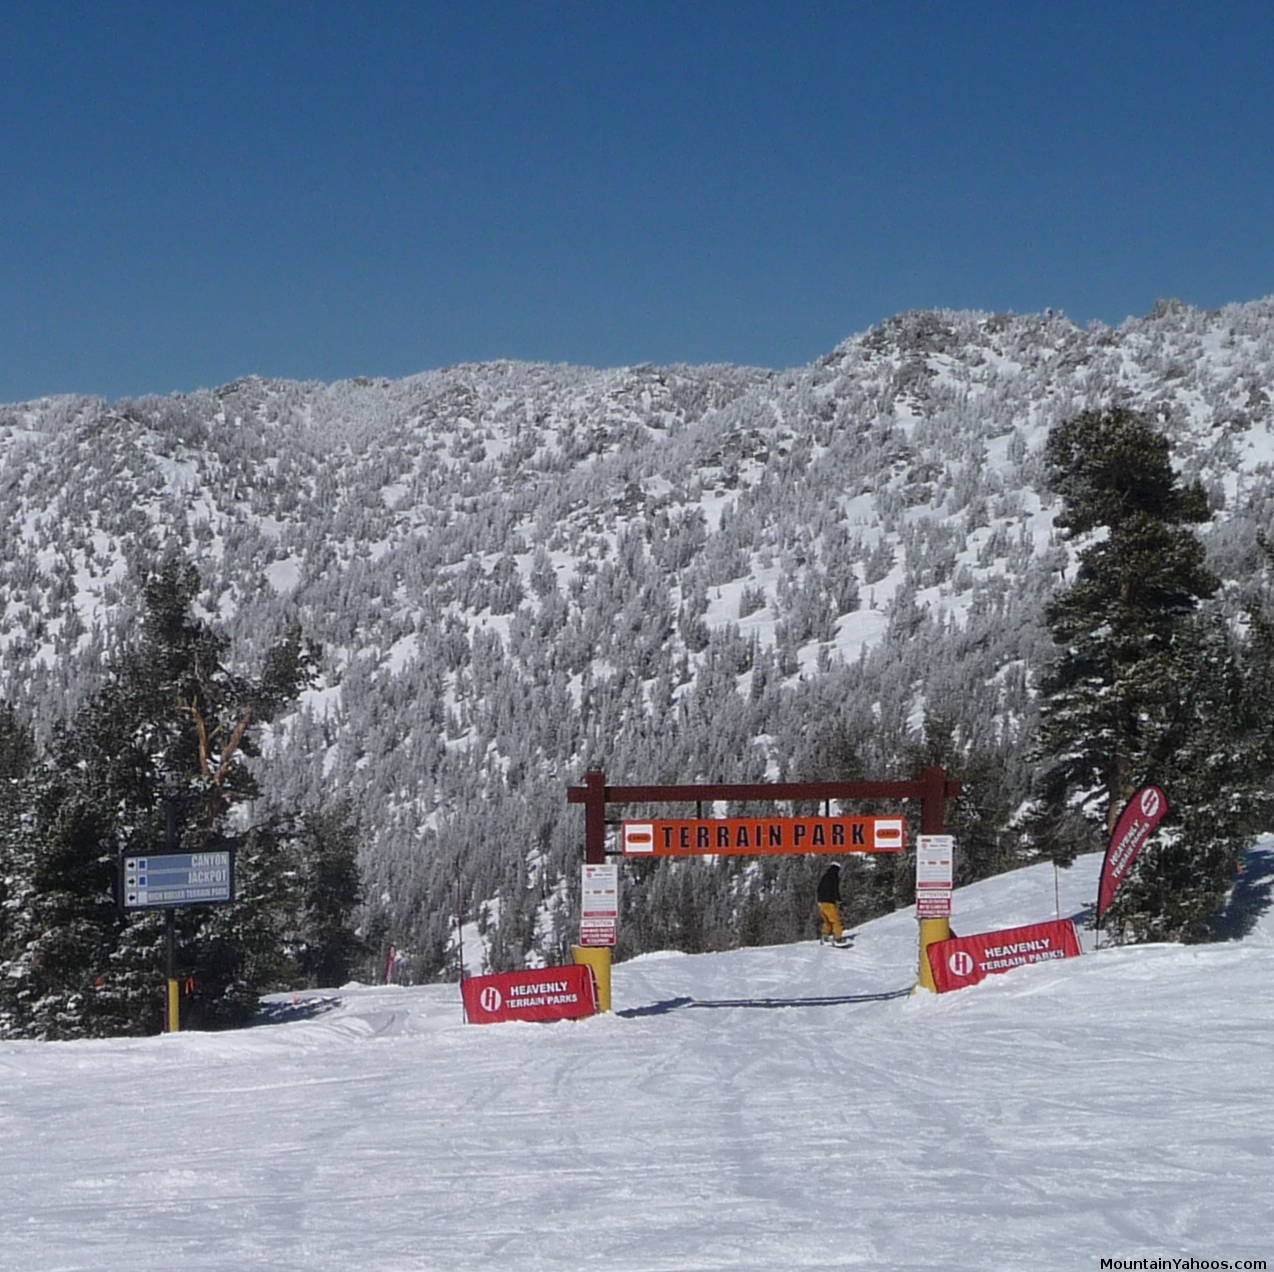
(831, 919)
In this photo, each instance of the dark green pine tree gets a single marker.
(1143, 687)
(323, 893)
(169, 730)
(19, 790)
(978, 816)
(1209, 739)
(17, 744)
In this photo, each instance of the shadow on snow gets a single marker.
(279, 1013)
(827, 1000)
(1251, 896)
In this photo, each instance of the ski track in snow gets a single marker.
(1111, 1106)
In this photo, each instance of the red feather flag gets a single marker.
(1141, 815)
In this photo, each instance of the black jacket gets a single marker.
(829, 884)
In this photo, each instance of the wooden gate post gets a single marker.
(594, 817)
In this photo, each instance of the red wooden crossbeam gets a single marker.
(933, 788)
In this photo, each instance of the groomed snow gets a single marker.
(1114, 1106)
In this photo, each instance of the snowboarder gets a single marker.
(829, 904)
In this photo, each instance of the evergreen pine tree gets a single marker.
(1143, 687)
(170, 729)
(323, 941)
(1210, 746)
(978, 816)
(17, 744)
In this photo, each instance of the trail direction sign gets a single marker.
(166, 880)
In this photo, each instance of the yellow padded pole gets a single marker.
(931, 932)
(598, 958)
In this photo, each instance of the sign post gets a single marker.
(599, 919)
(599, 905)
(935, 868)
(932, 789)
(163, 881)
(935, 873)
(172, 1016)
(168, 881)
(706, 836)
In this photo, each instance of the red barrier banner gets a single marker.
(1141, 815)
(965, 960)
(539, 993)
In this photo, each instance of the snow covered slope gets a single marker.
(518, 572)
(1114, 1106)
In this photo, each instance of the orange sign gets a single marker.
(702, 836)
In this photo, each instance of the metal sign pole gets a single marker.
(173, 1020)
(464, 1013)
(170, 880)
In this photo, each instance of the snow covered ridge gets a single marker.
(1107, 1109)
(518, 571)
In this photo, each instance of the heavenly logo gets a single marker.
(1149, 802)
(960, 963)
(490, 999)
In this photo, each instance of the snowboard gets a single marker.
(845, 943)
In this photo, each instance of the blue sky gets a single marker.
(193, 192)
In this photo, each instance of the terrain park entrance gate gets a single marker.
(931, 789)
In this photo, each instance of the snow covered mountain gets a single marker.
(1110, 1107)
(521, 571)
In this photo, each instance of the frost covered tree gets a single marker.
(167, 735)
(519, 571)
(1144, 686)
(324, 896)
